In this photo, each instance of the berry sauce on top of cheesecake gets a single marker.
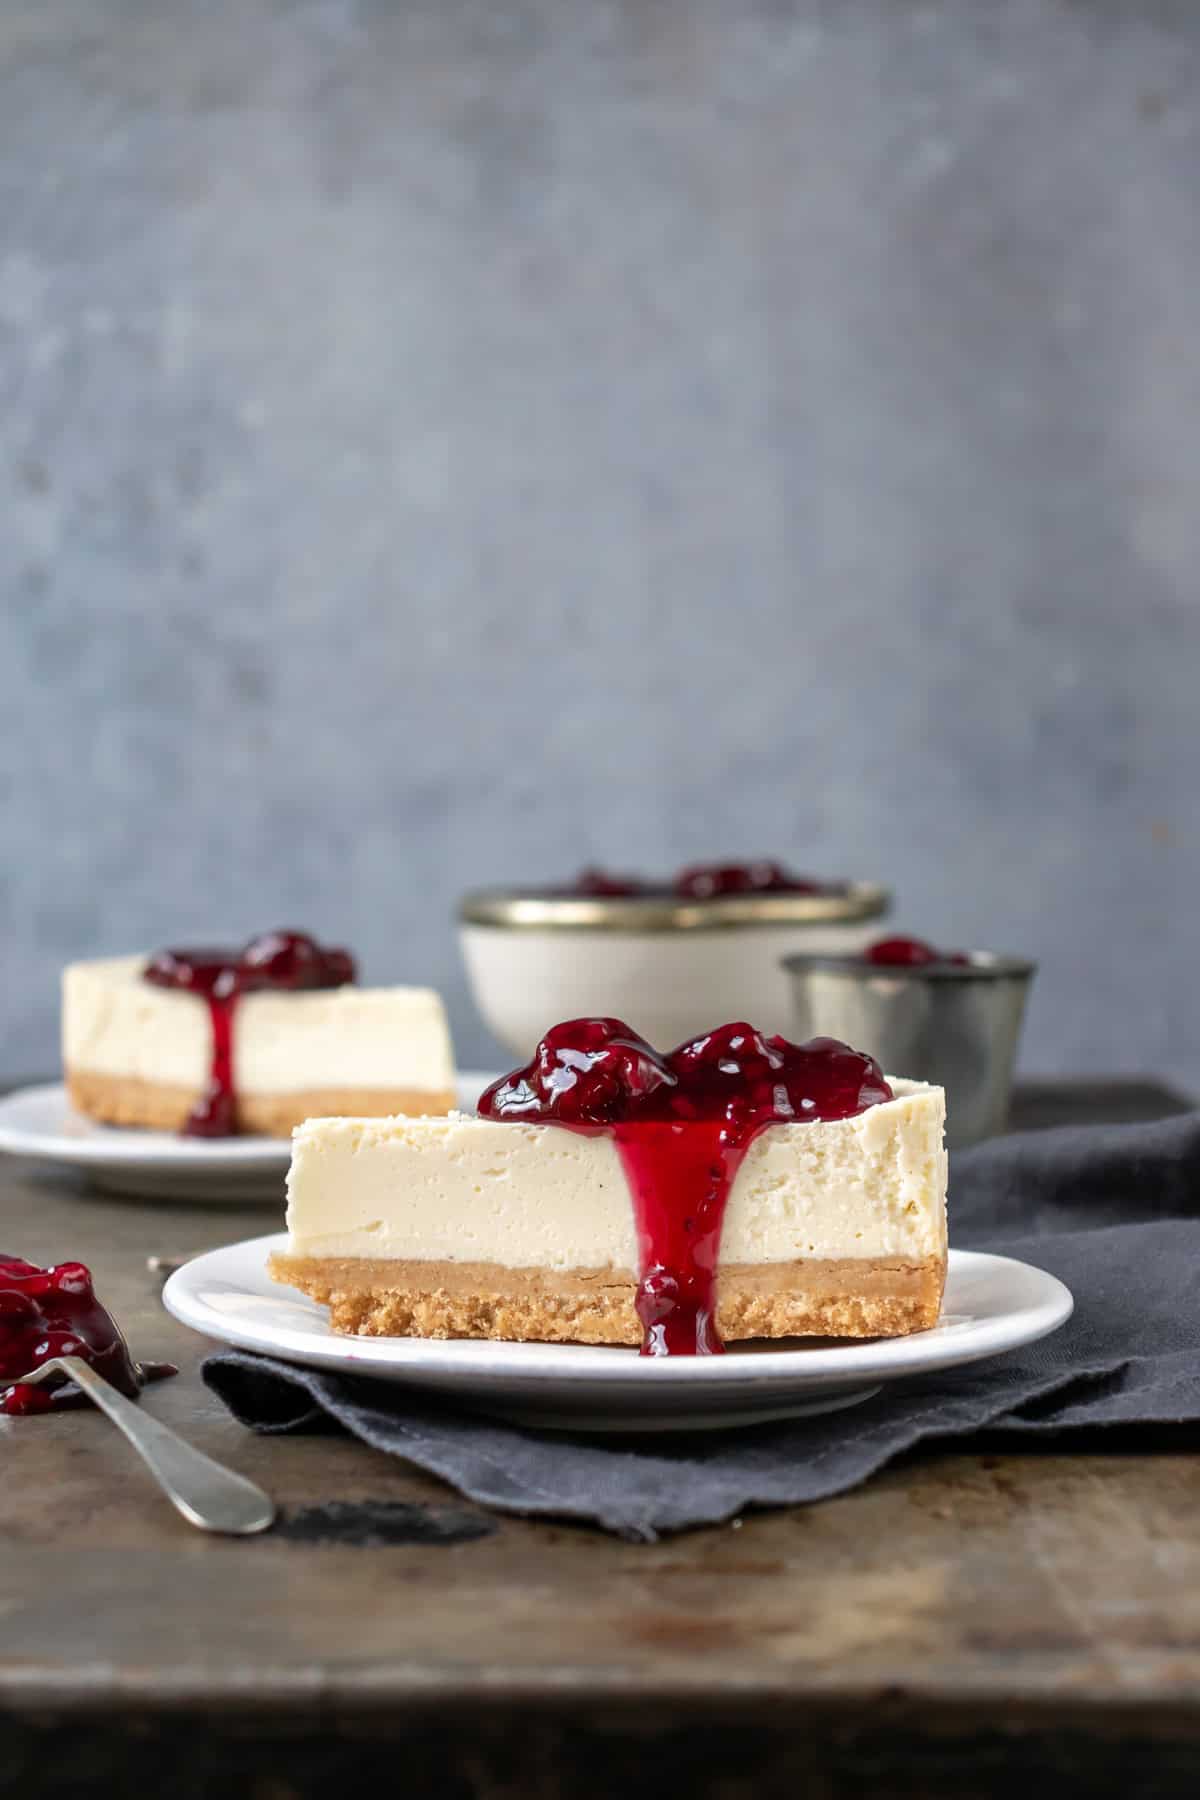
(682, 1124)
(52, 1312)
(284, 960)
(911, 953)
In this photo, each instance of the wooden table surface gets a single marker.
(961, 1620)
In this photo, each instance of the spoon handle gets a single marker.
(208, 1495)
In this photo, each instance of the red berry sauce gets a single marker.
(911, 953)
(713, 881)
(286, 960)
(46, 1313)
(682, 1124)
(598, 884)
(703, 881)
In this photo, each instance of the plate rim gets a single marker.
(115, 1147)
(601, 1366)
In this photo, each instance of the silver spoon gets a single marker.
(208, 1495)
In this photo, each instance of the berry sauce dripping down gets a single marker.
(46, 1313)
(682, 1124)
(286, 960)
(911, 953)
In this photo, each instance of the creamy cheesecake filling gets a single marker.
(350, 1037)
(463, 1189)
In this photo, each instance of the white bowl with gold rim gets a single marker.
(669, 967)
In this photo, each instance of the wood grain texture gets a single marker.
(961, 1619)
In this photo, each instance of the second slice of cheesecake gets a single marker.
(252, 1040)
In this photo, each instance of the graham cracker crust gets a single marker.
(823, 1297)
(118, 1100)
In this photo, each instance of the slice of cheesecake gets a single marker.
(657, 1217)
(254, 1055)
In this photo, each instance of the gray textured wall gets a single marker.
(450, 441)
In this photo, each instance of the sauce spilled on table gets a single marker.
(52, 1312)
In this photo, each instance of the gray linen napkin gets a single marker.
(1112, 1211)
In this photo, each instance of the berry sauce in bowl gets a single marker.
(698, 881)
(912, 953)
(716, 881)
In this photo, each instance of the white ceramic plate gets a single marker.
(40, 1123)
(992, 1304)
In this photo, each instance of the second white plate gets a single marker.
(40, 1123)
(992, 1304)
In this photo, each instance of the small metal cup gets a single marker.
(956, 1025)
